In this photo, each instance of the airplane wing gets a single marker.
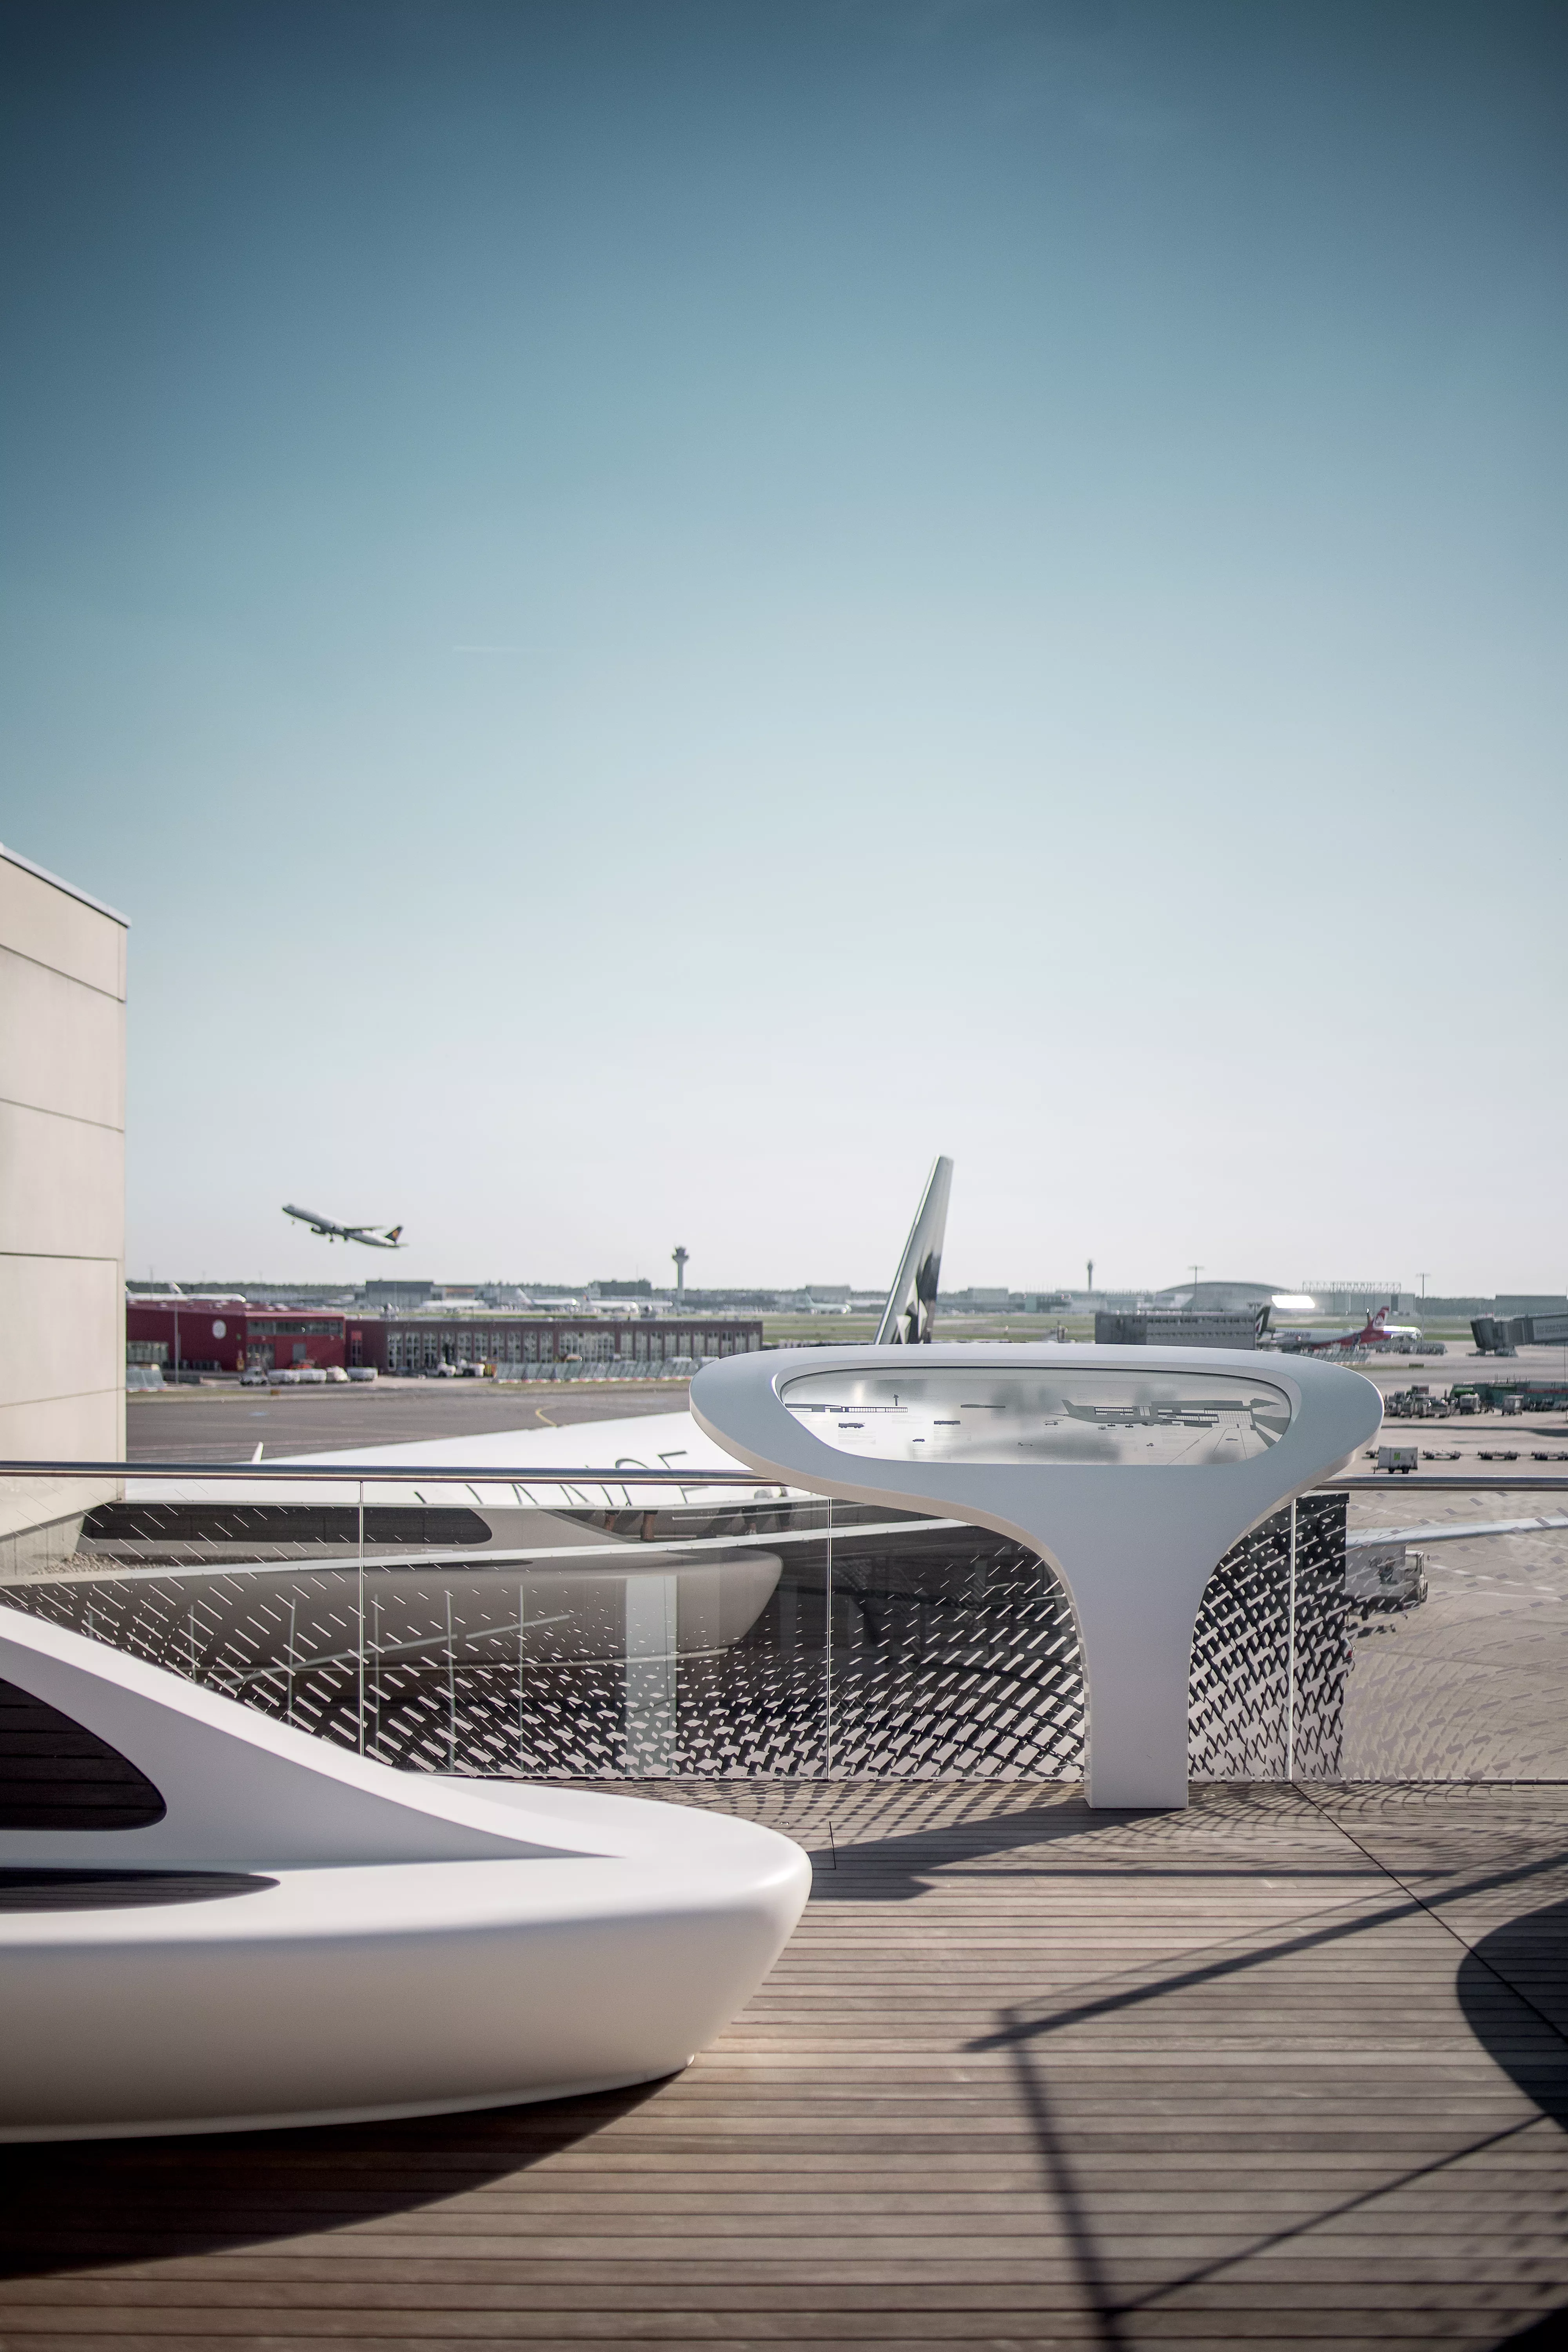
(911, 1310)
(1455, 1531)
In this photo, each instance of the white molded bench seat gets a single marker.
(370, 1943)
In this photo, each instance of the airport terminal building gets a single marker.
(516, 1344)
(225, 1335)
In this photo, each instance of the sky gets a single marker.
(657, 612)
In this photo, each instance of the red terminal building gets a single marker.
(227, 1334)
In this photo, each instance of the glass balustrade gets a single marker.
(563, 1627)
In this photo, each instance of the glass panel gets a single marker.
(1461, 1648)
(1130, 1418)
(954, 1652)
(548, 1631)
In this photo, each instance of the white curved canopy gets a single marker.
(1133, 1470)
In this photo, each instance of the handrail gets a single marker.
(679, 1548)
(633, 1473)
(619, 1473)
(1422, 1482)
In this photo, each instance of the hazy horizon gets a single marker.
(659, 611)
(541, 1284)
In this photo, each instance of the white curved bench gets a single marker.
(306, 1936)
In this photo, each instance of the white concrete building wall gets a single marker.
(62, 1170)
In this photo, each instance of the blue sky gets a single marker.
(658, 610)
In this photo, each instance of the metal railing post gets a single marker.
(1291, 1660)
(360, 1643)
(827, 1657)
(451, 1691)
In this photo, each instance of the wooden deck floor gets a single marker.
(1289, 2067)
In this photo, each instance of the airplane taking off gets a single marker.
(372, 1237)
(1377, 1332)
(670, 1441)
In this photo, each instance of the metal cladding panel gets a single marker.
(1247, 1682)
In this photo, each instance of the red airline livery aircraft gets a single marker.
(1377, 1332)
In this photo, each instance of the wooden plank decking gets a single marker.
(1289, 2067)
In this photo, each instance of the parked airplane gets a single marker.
(372, 1237)
(1377, 1332)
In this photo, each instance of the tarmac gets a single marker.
(227, 1424)
(224, 1422)
(1487, 1444)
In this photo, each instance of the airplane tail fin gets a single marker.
(911, 1310)
(394, 1232)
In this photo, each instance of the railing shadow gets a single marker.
(1512, 1987)
(899, 1867)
